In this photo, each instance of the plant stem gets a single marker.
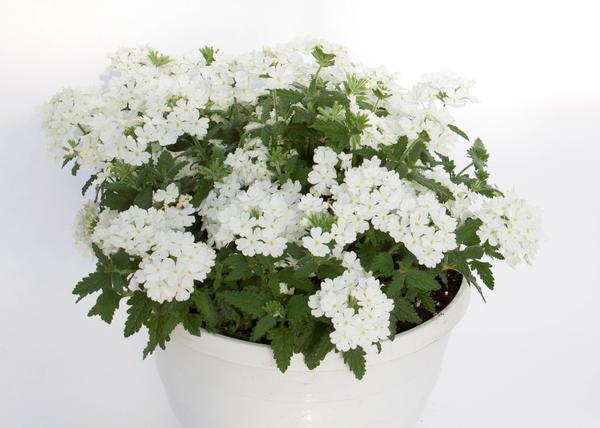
(408, 149)
(465, 168)
(274, 95)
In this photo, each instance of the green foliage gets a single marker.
(106, 305)
(140, 309)
(157, 58)
(249, 302)
(323, 59)
(355, 359)
(282, 342)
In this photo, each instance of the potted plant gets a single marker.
(291, 222)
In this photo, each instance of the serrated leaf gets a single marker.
(90, 284)
(144, 198)
(443, 193)
(202, 192)
(478, 154)
(160, 328)
(140, 308)
(467, 233)
(203, 305)
(484, 270)
(421, 280)
(330, 269)
(282, 343)
(262, 327)
(192, 323)
(383, 263)
(404, 311)
(426, 301)
(473, 252)
(318, 351)
(297, 308)
(118, 196)
(106, 305)
(323, 59)
(249, 302)
(355, 359)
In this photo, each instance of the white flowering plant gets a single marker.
(288, 196)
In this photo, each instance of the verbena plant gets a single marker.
(287, 196)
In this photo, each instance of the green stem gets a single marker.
(408, 149)
(464, 169)
(274, 95)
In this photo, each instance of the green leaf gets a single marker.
(208, 52)
(306, 267)
(404, 311)
(144, 198)
(478, 154)
(484, 270)
(426, 301)
(165, 163)
(249, 302)
(318, 350)
(323, 59)
(90, 284)
(443, 193)
(202, 191)
(297, 308)
(282, 342)
(458, 131)
(192, 323)
(106, 305)
(355, 359)
(394, 288)
(157, 58)
(383, 263)
(88, 184)
(160, 328)
(140, 308)
(262, 327)
(421, 280)
(473, 252)
(467, 233)
(240, 268)
(118, 196)
(330, 269)
(204, 306)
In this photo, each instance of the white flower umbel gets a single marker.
(371, 194)
(508, 222)
(358, 309)
(261, 219)
(171, 260)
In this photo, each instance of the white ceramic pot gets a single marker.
(214, 381)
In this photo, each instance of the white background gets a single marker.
(528, 358)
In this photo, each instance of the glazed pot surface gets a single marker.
(214, 381)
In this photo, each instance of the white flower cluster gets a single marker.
(512, 225)
(358, 309)
(170, 258)
(246, 207)
(373, 195)
(85, 221)
(149, 100)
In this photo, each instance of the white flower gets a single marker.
(317, 242)
(358, 309)
(509, 223)
(168, 196)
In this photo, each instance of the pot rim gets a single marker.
(259, 355)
